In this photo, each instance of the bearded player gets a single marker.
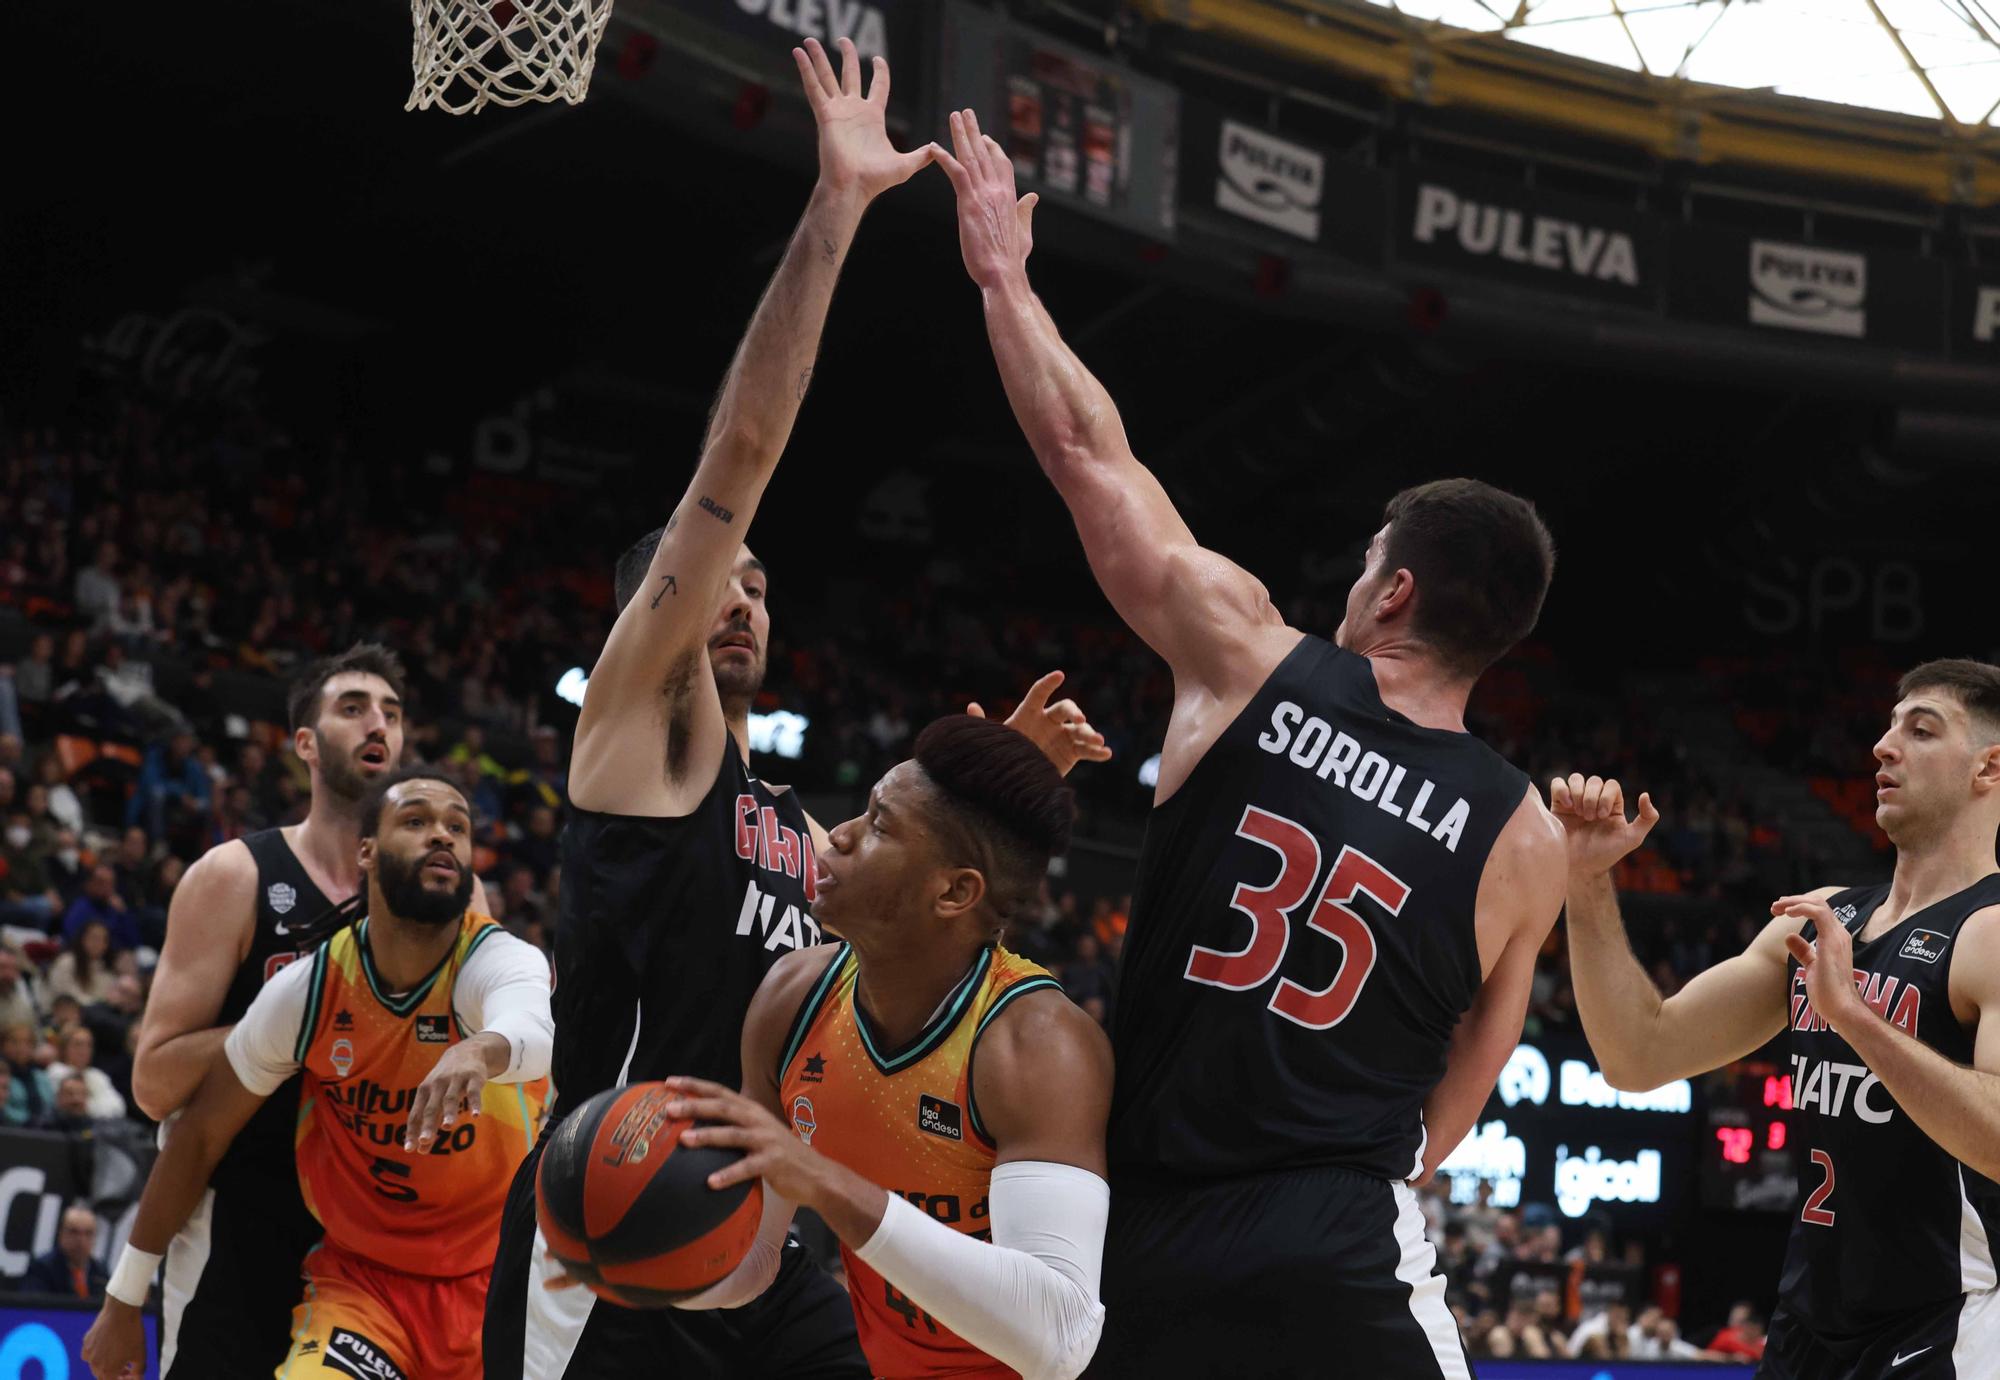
(685, 877)
(418, 1031)
(241, 913)
(1890, 999)
(936, 1099)
(1339, 900)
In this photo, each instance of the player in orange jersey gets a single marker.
(926, 1091)
(420, 1030)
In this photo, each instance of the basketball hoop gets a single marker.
(469, 53)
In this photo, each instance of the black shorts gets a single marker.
(1318, 1272)
(233, 1277)
(801, 1326)
(1957, 1340)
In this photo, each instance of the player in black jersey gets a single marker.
(232, 1274)
(1339, 901)
(1889, 997)
(684, 877)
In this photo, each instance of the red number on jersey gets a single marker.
(1812, 1214)
(1269, 908)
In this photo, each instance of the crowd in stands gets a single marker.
(154, 552)
(1517, 1293)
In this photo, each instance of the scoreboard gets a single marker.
(1747, 1160)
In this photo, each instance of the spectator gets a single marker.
(64, 807)
(77, 1054)
(174, 789)
(82, 971)
(112, 1022)
(96, 595)
(65, 864)
(19, 1002)
(31, 1098)
(1522, 1335)
(527, 910)
(539, 848)
(28, 897)
(101, 903)
(1743, 1337)
(72, 1106)
(71, 1269)
(134, 851)
(1605, 1336)
(1657, 1337)
(1088, 975)
(34, 674)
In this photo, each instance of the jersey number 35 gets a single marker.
(1270, 908)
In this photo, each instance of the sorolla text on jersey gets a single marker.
(364, 1050)
(905, 1119)
(765, 843)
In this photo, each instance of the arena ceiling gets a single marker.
(1932, 58)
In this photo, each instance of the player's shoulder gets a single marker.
(218, 890)
(1040, 1025)
(228, 864)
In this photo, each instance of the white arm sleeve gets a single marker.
(263, 1046)
(1030, 1298)
(503, 989)
(760, 1264)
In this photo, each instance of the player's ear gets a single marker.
(303, 739)
(1397, 596)
(1986, 768)
(368, 853)
(964, 888)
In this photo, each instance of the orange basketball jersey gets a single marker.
(364, 1051)
(903, 1118)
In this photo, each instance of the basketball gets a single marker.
(628, 1211)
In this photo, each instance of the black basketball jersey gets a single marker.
(665, 928)
(1302, 941)
(1888, 1222)
(287, 900)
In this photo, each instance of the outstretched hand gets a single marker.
(1827, 962)
(1060, 730)
(995, 227)
(855, 154)
(1592, 811)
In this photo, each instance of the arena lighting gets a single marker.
(1149, 772)
(780, 733)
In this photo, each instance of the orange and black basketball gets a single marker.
(627, 1209)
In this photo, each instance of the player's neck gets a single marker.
(1411, 682)
(737, 717)
(903, 988)
(1928, 872)
(405, 952)
(329, 844)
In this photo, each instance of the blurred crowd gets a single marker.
(1516, 1292)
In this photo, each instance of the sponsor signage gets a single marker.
(1536, 239)
(1278, 190)
(41, 1338)
(1083, 131)
(879, 28)
(1839, 294)
(1975, 313)
(1555, 1132)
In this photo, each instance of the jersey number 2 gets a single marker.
(1269, 908)
(1814, 1213)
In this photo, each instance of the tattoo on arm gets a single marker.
(827, 251)
(805, 382)
(716, 510)
(667, 587)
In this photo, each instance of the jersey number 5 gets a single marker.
(1270, 907)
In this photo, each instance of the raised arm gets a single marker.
(1520, 895)
(654, 664)
(1210, 619)
(1642, 1040)
(208, 933)
(1956, 1106)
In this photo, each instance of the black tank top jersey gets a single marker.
(287, 901)
(1889, 1223)
(667, 926)
(1302, 941)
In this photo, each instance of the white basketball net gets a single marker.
(469, 53)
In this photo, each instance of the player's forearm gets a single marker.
(1066, 414)
(1453, 1107)
(1956, 1106)
(165, 1076)
(179, 1177)
(1617, 1002)
(849, 1204)
(767, 380)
